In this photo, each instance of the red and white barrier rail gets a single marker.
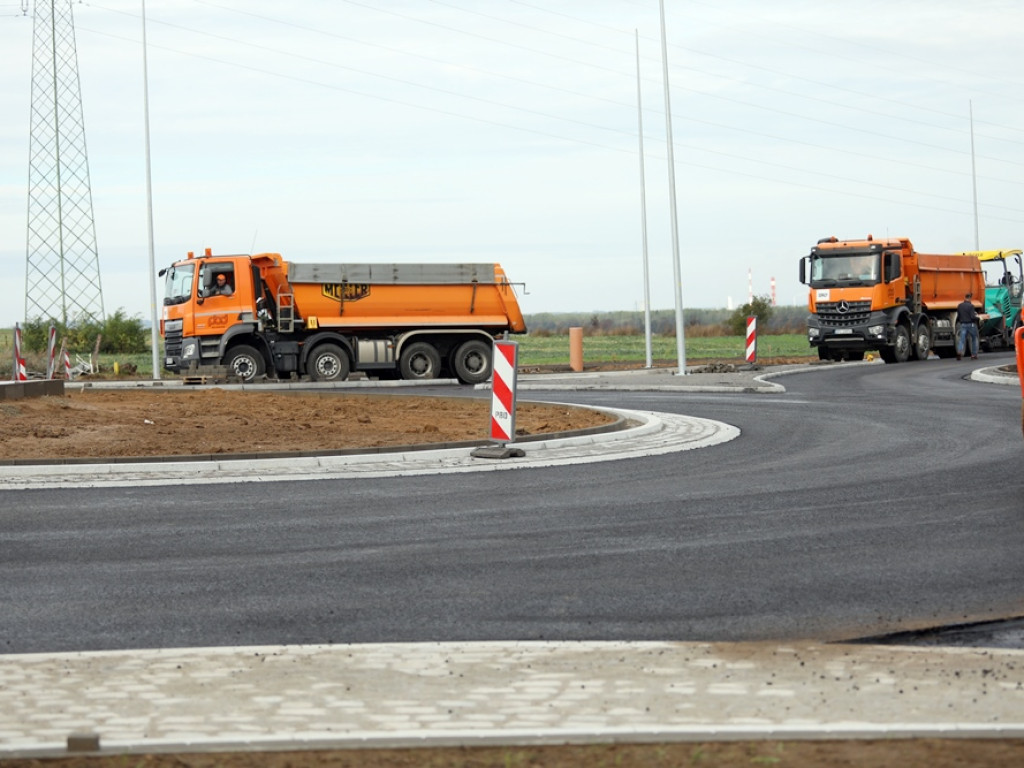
(751, 339)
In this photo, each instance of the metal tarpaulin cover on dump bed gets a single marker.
(392, 274)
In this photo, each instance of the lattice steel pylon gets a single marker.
(62, 273)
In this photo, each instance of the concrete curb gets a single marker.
(653, 434)
(993, 375)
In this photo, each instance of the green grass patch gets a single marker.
(554, 349)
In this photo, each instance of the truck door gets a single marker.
(219, 297)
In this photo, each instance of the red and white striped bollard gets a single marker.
(20, 371)
(503, 398)
(65, 358)
(51, 351)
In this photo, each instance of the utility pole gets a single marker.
(676, 267)
(154, 334)
(643, 208)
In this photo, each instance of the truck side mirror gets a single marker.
(803, 270)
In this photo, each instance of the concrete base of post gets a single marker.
(497, 452)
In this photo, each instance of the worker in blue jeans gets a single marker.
(967, 317)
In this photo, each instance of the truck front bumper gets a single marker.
(873, 335)
(189, 351)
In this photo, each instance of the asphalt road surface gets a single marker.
(865, 500)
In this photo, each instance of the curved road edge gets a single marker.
(653, 434)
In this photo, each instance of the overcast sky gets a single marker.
(506, 130)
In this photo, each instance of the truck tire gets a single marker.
(472, 362)
(900, 350)
(328, 362)
(922, 342)
(245, 362)
(902, 345)
(420, 361)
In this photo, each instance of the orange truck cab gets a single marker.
(883, 296)
(284, 319)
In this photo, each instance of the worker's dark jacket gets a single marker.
(966, 313)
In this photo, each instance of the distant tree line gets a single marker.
(698, 322)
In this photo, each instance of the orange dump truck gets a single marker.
(883, 296)
(285, 319)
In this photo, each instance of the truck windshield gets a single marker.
(849, 268)
(995, 272)
(178, 288)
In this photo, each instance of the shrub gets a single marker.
(759, 307)
(120, 334)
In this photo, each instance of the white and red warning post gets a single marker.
(503, 398)
(751, 339)
(20, 371)
(21, 367)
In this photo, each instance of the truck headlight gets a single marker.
(189, 350)
(813, 333)
(876, 330)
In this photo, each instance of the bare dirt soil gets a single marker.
(889, 753)
(153, 422)
(145, 423)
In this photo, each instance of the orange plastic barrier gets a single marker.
(1018, 340)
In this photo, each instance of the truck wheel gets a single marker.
(420, 361)
(901, 345)
(824, 353)
(329, 362)
(472, 362)
(922, 342)
(245, 362)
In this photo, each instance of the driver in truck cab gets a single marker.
(220, 288)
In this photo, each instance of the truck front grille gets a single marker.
(842, 314)
(173, 338)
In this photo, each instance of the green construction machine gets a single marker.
(1004, 284)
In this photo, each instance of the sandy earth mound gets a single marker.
(124, 423)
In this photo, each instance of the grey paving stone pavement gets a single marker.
(349, 696)
(423, 694)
